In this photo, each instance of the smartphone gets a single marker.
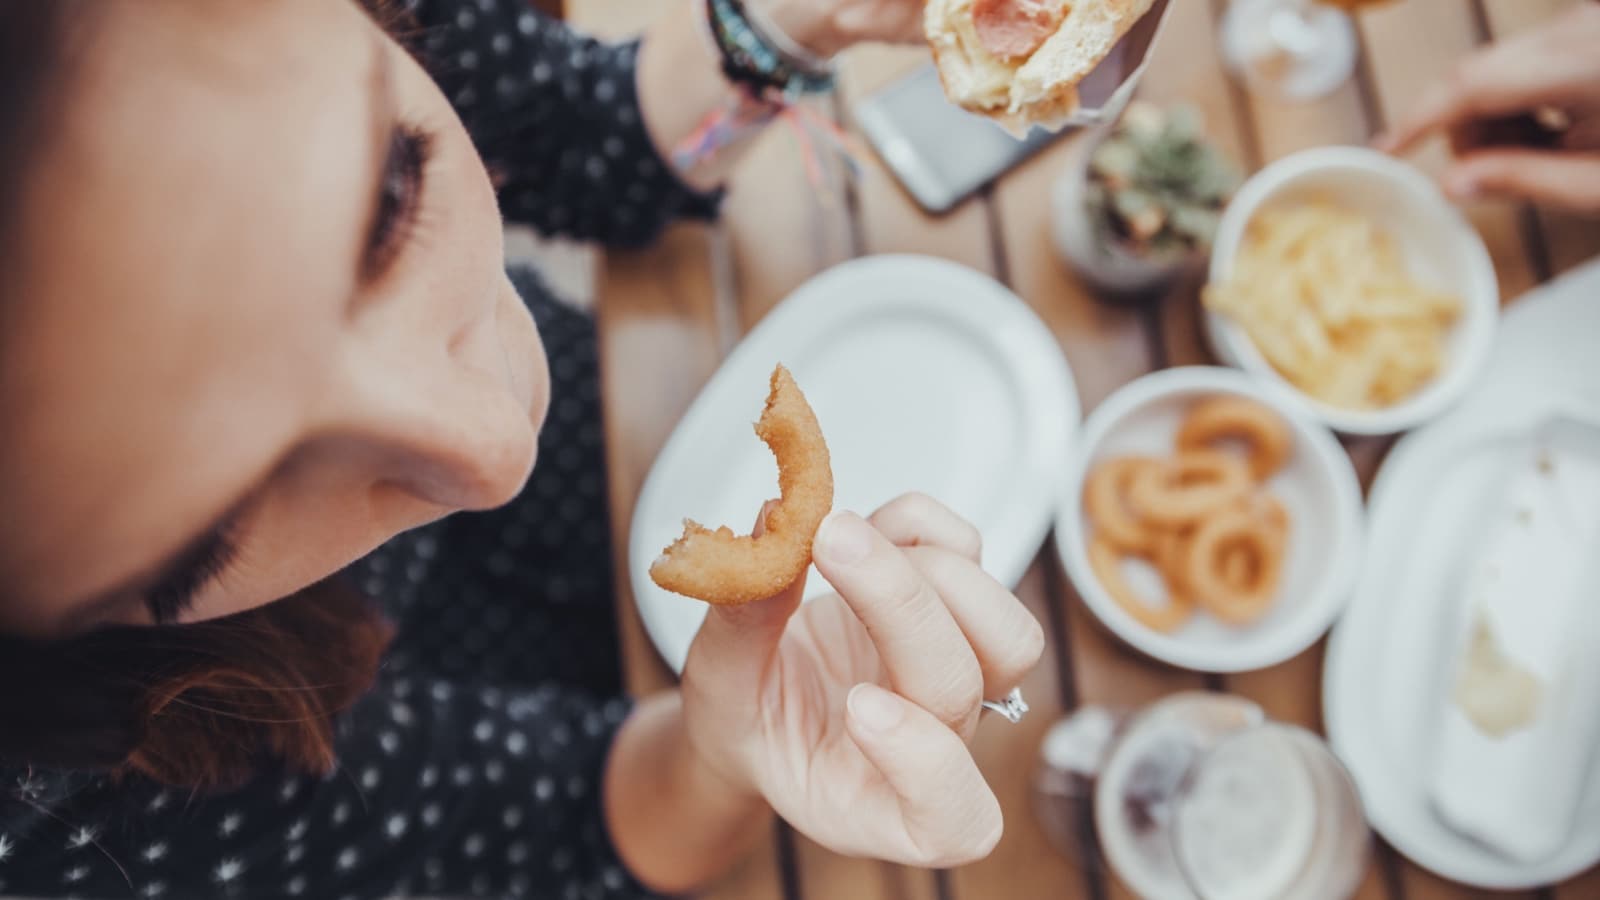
(939, 152)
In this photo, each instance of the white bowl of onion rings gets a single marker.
(1318, 557)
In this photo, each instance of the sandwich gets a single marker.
(1019, 62)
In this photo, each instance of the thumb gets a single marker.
(951, 816)
(736, 642)
(1563, 180)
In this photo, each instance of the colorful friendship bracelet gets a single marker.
(769, 72)
(761, 58)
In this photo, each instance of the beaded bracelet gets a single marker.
(762, 58)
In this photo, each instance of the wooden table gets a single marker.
(670, 313)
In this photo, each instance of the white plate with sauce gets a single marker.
(1388, 660)
(924, 375)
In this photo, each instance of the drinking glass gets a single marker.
(1200, 796)
(1292, 49)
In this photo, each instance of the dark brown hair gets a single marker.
(198, 705)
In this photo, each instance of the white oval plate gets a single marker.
(925, 376)
(1384, 675)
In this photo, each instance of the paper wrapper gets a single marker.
(1105, 93)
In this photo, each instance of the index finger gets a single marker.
(1496, 81)
(924, 651)
(917, 520)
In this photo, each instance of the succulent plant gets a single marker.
(1156, 186)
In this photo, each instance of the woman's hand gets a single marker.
(851, 715)
(826, 27)
(1555, 67)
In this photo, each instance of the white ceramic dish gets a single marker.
(925, 375)
(1318, 487)
(1384, 672)
(1439, 244)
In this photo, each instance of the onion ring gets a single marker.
(1171, 555)
(723, 568)
(1105, 499)
(1184, 490)
(1242, 529)
(1107, 565)
(1224, 418)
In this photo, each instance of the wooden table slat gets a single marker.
(1583, 887)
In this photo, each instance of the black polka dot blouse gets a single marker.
(474, 768)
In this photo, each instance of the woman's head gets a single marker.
(255, 320)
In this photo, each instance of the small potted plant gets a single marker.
(1144, 202)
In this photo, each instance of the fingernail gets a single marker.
(843, 538)
(874, 707)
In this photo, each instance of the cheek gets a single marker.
(489, 388)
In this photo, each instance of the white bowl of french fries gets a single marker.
(1343, 278)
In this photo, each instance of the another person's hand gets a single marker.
(1552, 72)
(850, 714)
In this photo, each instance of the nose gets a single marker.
(444, 430)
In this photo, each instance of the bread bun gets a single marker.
(1040, 88)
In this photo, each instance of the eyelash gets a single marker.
(399, 198)
(169, 598)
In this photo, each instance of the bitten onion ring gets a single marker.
(1225, 418)
(1213, 551)
(727, 569)
(1105, 499)
(1179, 493)
(1107, 565)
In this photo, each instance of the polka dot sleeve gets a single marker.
(443, 790)
(556, 117)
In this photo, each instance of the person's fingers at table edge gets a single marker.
(1439, 107)
(1562, 180)
(1004, 635)
(1496, 81)
(916, 519)
(923, 649)
(952, 816)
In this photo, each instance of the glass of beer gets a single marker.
(1292, 49)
